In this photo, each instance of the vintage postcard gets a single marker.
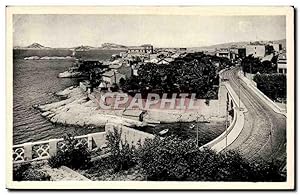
(159, 97)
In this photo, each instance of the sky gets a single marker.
(130, 30)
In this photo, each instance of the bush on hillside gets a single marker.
(180, 160)
(272, 85)
(122, 155)
(25, 172)
(73, 156)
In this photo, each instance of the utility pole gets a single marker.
(197, 121)
(271, 144)
(239, 92)
(226, 126)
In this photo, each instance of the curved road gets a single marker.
(264, 134)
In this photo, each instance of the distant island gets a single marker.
(111, 46)
(33, 46)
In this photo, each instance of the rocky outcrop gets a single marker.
(49, 58)
(79, 110)
(69, 74)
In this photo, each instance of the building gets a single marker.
(112, 77)
(223, 52)
(276, 46)
(147, 48)
(165, 61)
(282, 63)
(256, 50)
(237, 52)
(210, 52)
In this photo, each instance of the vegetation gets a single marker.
(222, 62)
(272, 85)
(194, 73)
(122, 155)
(73, 156)
(175, 159)
(25, 172)
(253, 65)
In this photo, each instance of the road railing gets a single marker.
(233, 131)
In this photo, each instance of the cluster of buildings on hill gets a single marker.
(125, 64)
(264, 51)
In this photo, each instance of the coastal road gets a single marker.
(264, 133)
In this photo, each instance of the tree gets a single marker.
(253, 65)
(193, 73)
(272, 85)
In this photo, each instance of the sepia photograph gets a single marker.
(130, 97)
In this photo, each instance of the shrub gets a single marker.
(272, 85)
(122, 155)
(253, 65)
(174, 159)
(73, 156)
(169, 159)
(18, 171)
(35, 175)
(25, 172)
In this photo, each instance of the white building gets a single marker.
(282, 63)
(276, 46)
(111, 77)
(256, 50)
(223, 52)
(147, 48)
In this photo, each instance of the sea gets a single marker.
(36, 82)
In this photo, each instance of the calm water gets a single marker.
(36, 82)
(206, 131)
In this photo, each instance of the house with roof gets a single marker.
(165, 61)
(256, 50)
(111, 77)
(146, 48)
(223, 52)
(282, 63)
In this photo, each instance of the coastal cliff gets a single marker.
(78, 110)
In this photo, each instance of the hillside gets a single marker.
(238, 44)
(112, 46)
(32, 46)
(36, 46)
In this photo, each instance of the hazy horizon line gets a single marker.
(203, 46)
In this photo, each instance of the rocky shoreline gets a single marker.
(49, 58)
(78, 109)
